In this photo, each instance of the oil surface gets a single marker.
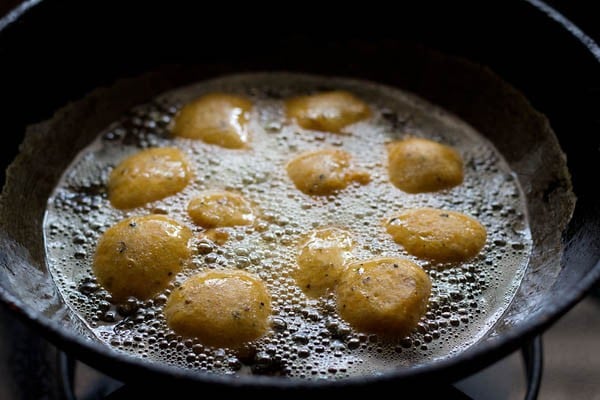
(308, 339)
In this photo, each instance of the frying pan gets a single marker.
(516, 71)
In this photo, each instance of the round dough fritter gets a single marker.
(438, 235)
(215, 118)
(322, 256)
(419, 165)
(139, 256)
(220, 308)
(323, 172)
(328, 111)
(386, 296)
(220, 209)
(148, 176)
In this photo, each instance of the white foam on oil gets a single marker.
(308, 339)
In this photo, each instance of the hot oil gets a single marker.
(308, 339)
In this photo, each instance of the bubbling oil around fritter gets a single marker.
(308, 339)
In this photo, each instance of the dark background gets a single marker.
(6, 5)
(581, 12)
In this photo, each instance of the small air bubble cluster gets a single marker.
(308, 339)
